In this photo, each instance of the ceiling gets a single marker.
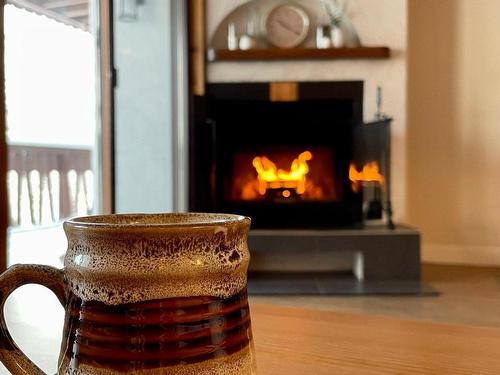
(70, 12)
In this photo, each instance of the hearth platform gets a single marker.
(369, 260)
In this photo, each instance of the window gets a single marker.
(52, 99)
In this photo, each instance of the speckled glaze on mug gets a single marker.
(147, 294)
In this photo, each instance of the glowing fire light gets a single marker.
(369, 173)
(270, 177)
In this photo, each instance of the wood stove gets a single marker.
(282, 161)
(298, 159)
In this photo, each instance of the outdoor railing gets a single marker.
(48, 184)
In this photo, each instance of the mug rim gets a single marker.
(140, 220)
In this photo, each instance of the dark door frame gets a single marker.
(4, 209)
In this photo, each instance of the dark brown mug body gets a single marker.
(148, 294)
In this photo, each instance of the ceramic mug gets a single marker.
(146, 294)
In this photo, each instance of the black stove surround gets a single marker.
(241, 119)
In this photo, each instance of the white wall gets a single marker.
(143, 111)
(380, 22)
(454, 129)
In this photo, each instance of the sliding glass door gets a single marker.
(52, 91)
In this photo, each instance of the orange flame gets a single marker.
(270, 177)
(369, 173)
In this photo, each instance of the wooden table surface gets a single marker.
(301, 341)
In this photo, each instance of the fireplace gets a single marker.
(298, 159)
(287, 161)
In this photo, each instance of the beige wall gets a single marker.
(446, 160)
(454, 129)
(379, 22)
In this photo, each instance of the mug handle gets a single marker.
(20, 274)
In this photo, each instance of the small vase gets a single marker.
(232, 39)
(337, 37)
(322, 39)
(246, 42)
